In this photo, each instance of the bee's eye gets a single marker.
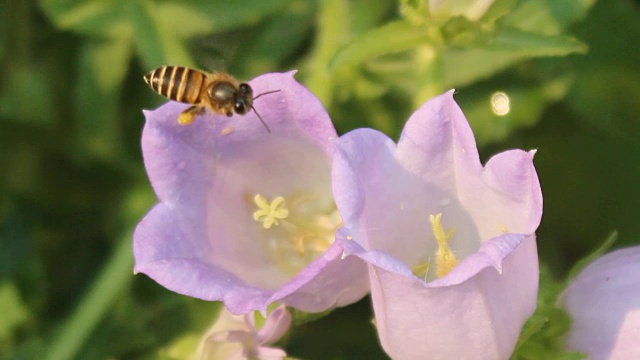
(244, 90)
(241, 107)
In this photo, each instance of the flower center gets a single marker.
(299, 227)
(445, 259)
(269, 213)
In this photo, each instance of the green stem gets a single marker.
(428, 61)
(113, 279)
(332, 32)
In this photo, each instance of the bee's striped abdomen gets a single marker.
(176, 83)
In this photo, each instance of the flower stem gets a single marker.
(333, 30)
(114, 277)
(429, 73)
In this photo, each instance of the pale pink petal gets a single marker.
(604, 304)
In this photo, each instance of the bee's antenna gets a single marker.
(266, 93)
(261, 120)
(260, 117)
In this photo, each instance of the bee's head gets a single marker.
(244, 99)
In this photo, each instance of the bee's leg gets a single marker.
(186, 117)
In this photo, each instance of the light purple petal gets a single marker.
(482, 304)
(513, 189)
(361, 166)
(329, 281)
(375, 192)
(166, 252)
(604, 304)
(201, 239)
(438, 145)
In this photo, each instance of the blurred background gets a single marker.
(560, 76)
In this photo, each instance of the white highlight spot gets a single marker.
(500, 103)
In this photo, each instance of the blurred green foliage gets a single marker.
(74, 186)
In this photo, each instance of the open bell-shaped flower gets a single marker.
(245, 216)
(450, 244)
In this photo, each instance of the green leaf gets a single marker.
(533, 16)
(462, 67)
(601, 250)
(534, 44)
(391, 38)
(546, 17)
(465, 66)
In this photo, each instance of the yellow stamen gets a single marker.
(445, 259)
(306, 228)
(422, 270)
(269, 213)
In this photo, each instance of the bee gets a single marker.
(218, 92)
